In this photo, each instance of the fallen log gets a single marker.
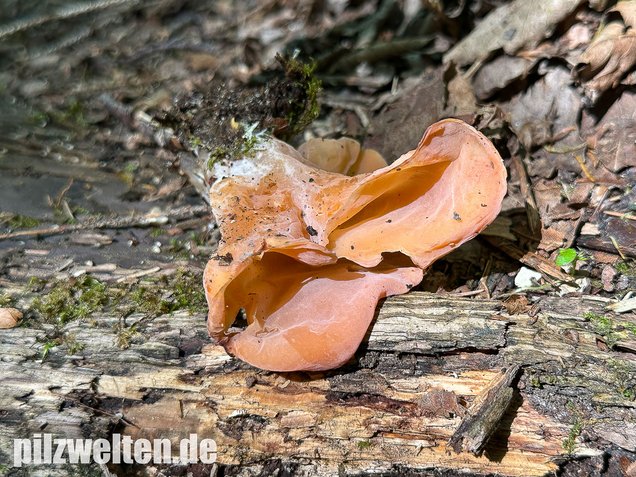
(454, 385)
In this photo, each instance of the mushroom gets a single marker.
(306, 253)
(342, 155)
(9, 317)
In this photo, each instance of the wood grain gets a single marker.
(429, 364)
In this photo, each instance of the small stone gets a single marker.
(527, 278)
(622, 283)
(581, 285)
(34, 87)
(607, 278)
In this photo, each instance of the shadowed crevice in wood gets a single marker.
(498, 444)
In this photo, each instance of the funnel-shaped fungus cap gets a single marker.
(307, 253)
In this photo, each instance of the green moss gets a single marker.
(241, 145)
(36, 284)
(72, 345)
(251, 139)
(64, 215)
(156, 232)
(74, 113)
(626, 267)
(78, 298)
(179, 249)
(182, 291)
(550, 379)
(305, 111)
(5, 300)
(611, 330)
(185, 249)
(39, 118)
(71, 300)
(48, 346)
(79, 210)
(362, 445)
(623, 376)
(217, 154)
(575, 431)
(188, 292)
(602, 324)
(629, 393)
(148, 301)
(127, 174)
(21, 222)
(195, 142)
(125, 335)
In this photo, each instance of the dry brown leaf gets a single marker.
(627, 9)
(460, 96)
(438, 402)
(546, 111)
(516, 304)
(499, 73)
(511, 27)
(558, 219)
(612, 53)
(613, 138)
(400, 124)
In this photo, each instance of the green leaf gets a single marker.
(565, 257)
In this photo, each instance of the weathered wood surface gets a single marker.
(429, 364)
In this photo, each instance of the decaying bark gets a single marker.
(437, 375)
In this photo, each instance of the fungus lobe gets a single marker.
(314, 249)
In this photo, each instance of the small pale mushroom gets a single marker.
(9, 317)
(307, 254)
(343, 155)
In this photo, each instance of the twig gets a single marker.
(617, 247)
(349, 106)
(64, 41)
(60, 13)
(466, 293)
(532, 211)
(566, 150)
(620, 215)
(77, 402)
(112, 223)
(139, 274)
(142, 122)
(531, 259)
(483, 281)
(173, 45)
(584, 168)
(485, 414)
(379, 52)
